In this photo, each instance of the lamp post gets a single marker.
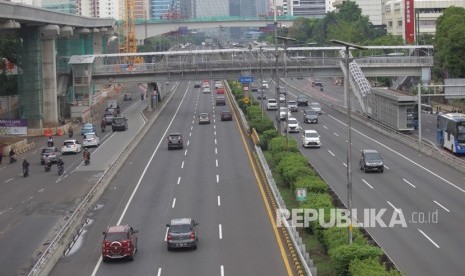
(349, 129)
(261, 79)
(278, 122)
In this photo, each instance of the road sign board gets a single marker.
(246, 79)
(301, 194)
(246, 100)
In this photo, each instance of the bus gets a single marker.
(451, 132)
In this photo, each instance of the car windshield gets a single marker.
(204, 116)
(372, 156)
(311, 134)
(47, 150)
(87, 127)
(118, 120)
(282, 109)
(272, 101)
(292, 103)
(180, 228)
(68, 143)
(175, 136)
(116, 236)
(89, 136)
(292, 121)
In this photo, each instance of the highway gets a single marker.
(412, 185)
(210, 180)
(31, 207)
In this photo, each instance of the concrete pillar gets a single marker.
(98, 49)
(48, 35)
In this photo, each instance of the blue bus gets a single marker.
(451, 132)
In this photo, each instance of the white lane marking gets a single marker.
(188, 142)
(159, 271)
(192, 127)
(6, 210)
(193, 121)
(94, 272)
(174, 203)
(179, 180)
(8, 180)
(368, 184)
(41, 190)
(190, 134)
(185, 153)
(222, 270)
(325, 127)
(182, 165)
(336, 134)
(166, 233)
(216, 162)
(440, 205)
(330, 152)
(431, 240)
(193, 117)
(394, 207)
(220, 232)
(219, 201)
(345, 165)
(386, 167)
(215, 141)
(216, 151)
(403, 156)
(217, 178)
(214, 132)
(214, 126)
(406, 181)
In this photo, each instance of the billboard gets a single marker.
(409, 22)
(454, 88)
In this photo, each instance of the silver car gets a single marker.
(316, 107)
(49, 154)
(182, 232)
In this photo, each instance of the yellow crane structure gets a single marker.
(126, 30)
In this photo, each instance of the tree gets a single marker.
(450, 44)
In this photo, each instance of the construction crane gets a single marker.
(126, 30)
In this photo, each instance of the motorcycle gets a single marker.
(50, 144)
(60, 169)
(70, 133)
(48, 167)
(13, 159)
(86, 160)
(26, 172)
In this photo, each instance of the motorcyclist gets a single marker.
(50, 141)
(86, 155)
(25, 168)
(61, 166)
(142, 96)
(12, 155)
(103, 124)
(48, 166)
(70, 132)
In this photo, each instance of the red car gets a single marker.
(119, 242)
(220, 91)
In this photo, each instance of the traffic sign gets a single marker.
(301, 194)
(246, 79)
(246, 100)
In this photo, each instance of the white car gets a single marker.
(90, 140)
(283, 113)
(272, 104)
(316, 107)
(207, 90)
(311, 138)
(265, 84)
(292, 125)
(71, 146)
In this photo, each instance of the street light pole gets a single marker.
(349, 131)
(278, 105)
(261, 79)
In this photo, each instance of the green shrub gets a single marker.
(253, 112)
(266, 136)
(292, 166)
(278, 147)
(261, 125)
(313, 183)
(332, 238)
(343, 255)
(370, 266)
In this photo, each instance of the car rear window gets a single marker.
(68, 143)
(47, 150)
(118, 120)
(180, 228)
(372, 156)
(116, 236)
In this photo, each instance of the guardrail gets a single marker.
(73, 224)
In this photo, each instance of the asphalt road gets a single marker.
(414, 187)
(210, 180)
(31, 207)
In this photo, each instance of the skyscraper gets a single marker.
(209, 8)
(307, 7)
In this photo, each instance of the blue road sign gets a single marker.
(246, 79)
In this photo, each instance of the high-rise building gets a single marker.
(69, 6)
(141, 9)
(159, 8)
(307, 7)
(263, 7)
(37, 3)
(209, 8)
